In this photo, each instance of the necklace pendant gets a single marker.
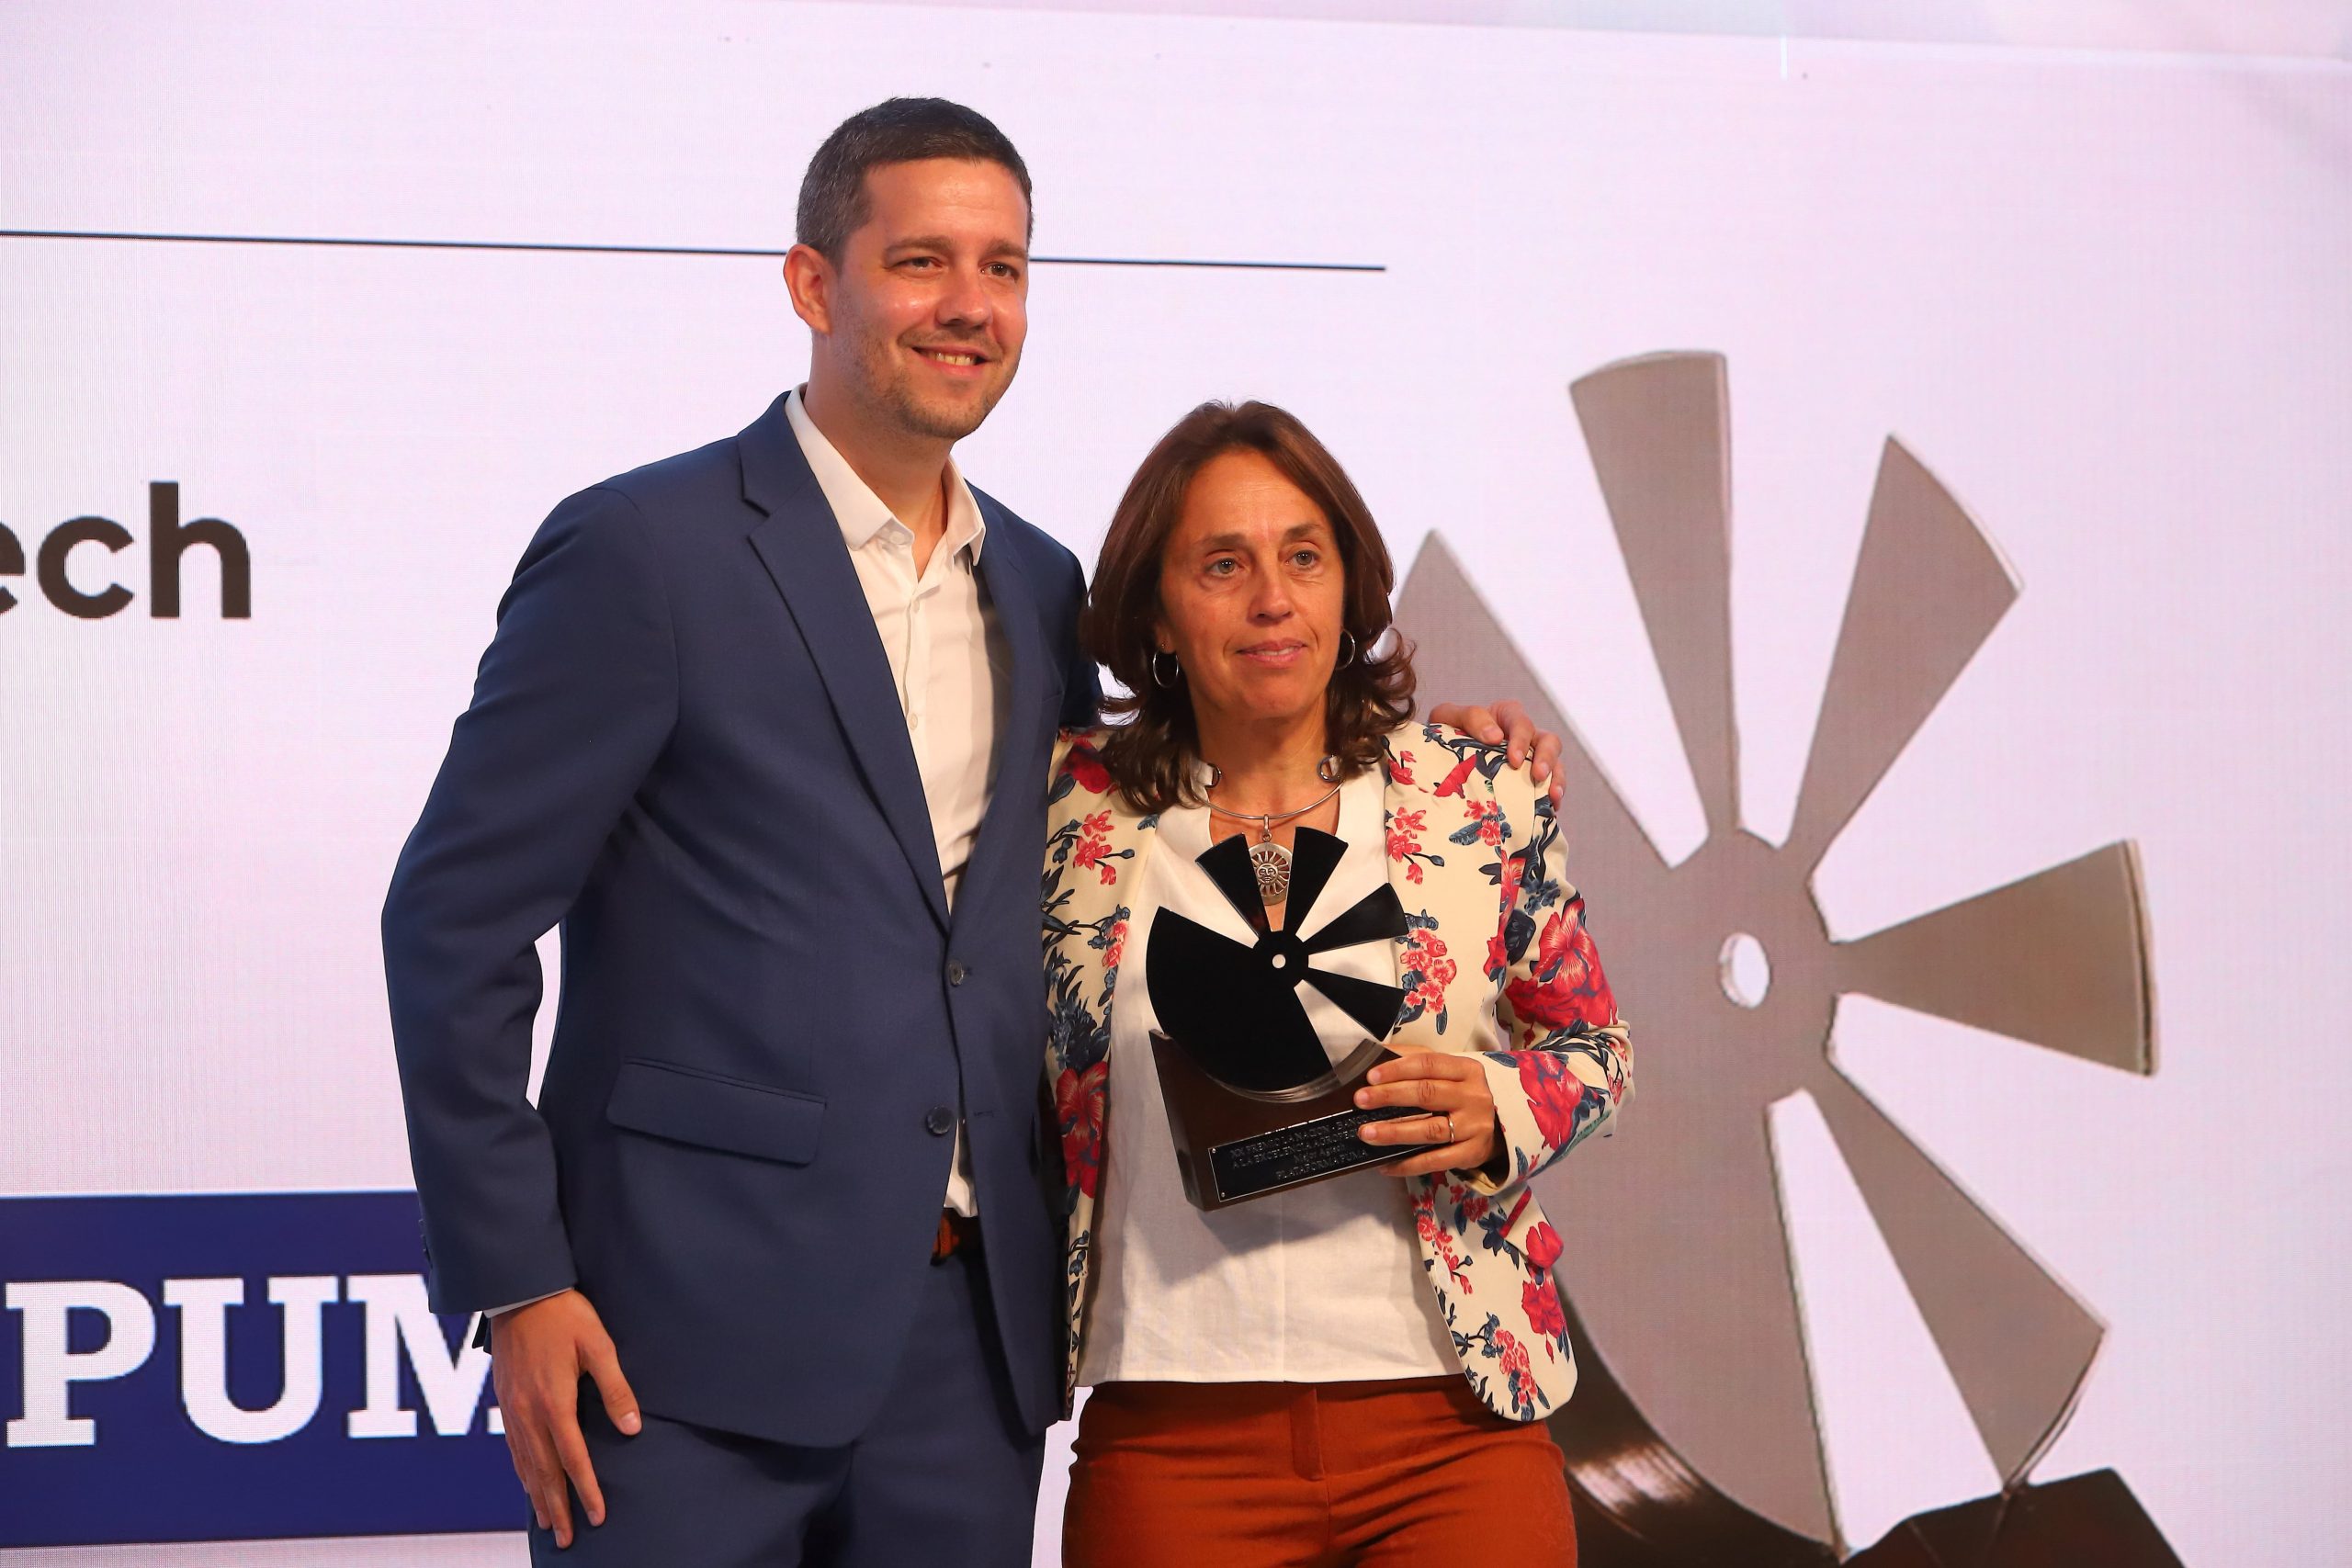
(1271, 863)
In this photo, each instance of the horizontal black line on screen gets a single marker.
(570, 249)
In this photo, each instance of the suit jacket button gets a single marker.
(939, 1121)
(955, 972)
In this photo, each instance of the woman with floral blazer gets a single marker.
(1499, 976)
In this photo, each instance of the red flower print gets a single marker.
(1542, 1244)
(1400, 768)
(1568, 987)
(1498, 954)
(1540, 1008)
(1518, 1209)
(1405, 830)
(1078, 1100)
(1425, 955)
(1118, 945)
(1441, 1244)
(1513, 1355)
(1542, 1304)
(1094, 844)
(1488, 815)
(1553, 1094)
(1452, 782)
(1084, 764)
(1513, 874)
(1424, 971)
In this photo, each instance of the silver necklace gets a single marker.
(1268, 859)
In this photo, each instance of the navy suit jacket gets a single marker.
(684, 747)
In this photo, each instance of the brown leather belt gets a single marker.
(957, 1233)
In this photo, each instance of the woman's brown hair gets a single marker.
(1150, 755)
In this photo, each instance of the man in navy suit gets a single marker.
(766, 728)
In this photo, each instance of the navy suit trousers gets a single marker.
(947, 1472)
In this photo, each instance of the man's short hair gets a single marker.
(834, 202)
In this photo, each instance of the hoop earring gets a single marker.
(1162, 681)
(1349, 657)
(1328, 769)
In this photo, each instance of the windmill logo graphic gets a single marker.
(1698, 1424)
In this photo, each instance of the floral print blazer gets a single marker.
(1497, 960)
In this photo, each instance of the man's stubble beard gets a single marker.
(893, 397)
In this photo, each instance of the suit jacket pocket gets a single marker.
(694, 1107)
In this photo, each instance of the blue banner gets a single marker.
(235, 1367)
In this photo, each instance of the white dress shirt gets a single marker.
(1319, 1284)
(948, 660)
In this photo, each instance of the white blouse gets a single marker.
(1319, 1284)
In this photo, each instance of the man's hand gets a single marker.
(537, 1354)
(1506, 724)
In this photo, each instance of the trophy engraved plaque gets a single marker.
(1255, 1102)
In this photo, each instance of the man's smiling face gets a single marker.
(929, 300)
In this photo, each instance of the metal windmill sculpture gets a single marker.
(1698, 1418)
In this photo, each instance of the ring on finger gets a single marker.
(1449, 1127)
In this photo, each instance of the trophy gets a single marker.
(1255, 1101)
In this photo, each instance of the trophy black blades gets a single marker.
(1373, 1005)
(1227, 863)
(1231, 1009)
(1378, 916)
(1314, 856)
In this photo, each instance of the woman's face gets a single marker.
(1252, 593)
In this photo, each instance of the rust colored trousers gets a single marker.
(1311, 1475)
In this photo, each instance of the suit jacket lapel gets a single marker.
(1013, 794)
(800, 545)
